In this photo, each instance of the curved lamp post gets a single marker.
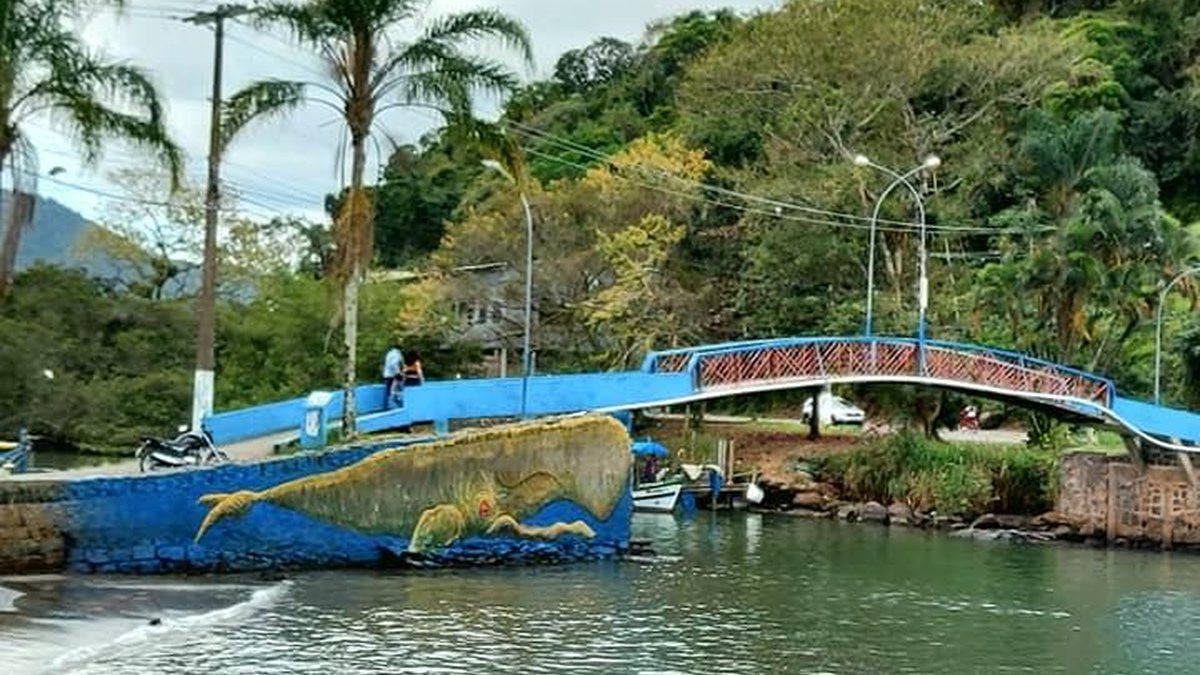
(525, 355)
(931, 162)
(1162, 297)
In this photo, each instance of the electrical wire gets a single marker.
(534, 133)
(908, 229)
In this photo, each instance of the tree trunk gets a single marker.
(12, 230)
(350, 291)
(350, 332)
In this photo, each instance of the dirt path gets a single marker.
(990, 436)
(245, 451)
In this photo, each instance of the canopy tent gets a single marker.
(648, 448)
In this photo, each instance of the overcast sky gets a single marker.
(287, 166)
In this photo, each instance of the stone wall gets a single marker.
(1111, 497)
(32, 519)
(384, 503)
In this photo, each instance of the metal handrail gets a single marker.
(1031, 365)
(733, 347)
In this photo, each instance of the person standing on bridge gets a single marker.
(413, 373)
(393, 378)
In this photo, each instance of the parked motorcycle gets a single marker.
(188, 449)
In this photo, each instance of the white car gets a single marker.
(835, 409)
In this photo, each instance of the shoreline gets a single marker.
(1050, 527)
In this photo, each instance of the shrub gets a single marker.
(963, 480)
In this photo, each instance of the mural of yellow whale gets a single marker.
(473, 483)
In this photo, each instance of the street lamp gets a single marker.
(931, 162)
(1162, 300)
(525, 355)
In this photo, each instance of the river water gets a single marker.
(728, 593)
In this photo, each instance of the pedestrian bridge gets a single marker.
(692, 374)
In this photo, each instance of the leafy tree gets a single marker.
(314, 255)
(605, 60)
(785, 104)
(602, 245)
(152, 237)
(369, 64)
(120, 362)
(277, 345)
(608, 94)
(639, 308)
(421, 189)
(46, 68)
(1097, 246)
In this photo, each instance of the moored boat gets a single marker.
(651, 492)
(657, 497)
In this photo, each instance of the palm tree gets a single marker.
(372, 69)
(45, 69)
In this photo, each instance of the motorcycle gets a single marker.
(188, 449)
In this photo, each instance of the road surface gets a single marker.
(245, 451)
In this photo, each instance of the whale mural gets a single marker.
(544, 491)
(482, 483)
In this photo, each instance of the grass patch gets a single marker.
(964, 480)
(1106, 442)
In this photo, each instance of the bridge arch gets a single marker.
(757, 366)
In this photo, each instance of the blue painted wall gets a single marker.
(146, 524)
(272, 418)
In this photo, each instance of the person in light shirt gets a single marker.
(393, 377)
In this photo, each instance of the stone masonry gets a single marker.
(32, 525)
(1119, 500)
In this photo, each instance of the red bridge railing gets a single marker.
(736, 364)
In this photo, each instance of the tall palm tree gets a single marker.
(45, 69)
(373, 68)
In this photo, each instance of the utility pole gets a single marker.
(202, 392)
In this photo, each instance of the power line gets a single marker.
(738, 207)
(706, 200)
(309, 68)
(272, 188)
(540, 135)
(910, 228)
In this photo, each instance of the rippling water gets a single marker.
(728, 594)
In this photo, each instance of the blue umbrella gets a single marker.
(649, 448)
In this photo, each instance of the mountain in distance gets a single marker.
(56, 237)
(53, 238)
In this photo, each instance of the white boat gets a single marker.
(657, 497)
(660, 494)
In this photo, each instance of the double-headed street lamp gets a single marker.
(931, 162)
(1162, 301)
(525, 356)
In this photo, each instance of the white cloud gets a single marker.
(287, 166)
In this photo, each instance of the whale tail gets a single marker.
(224, 506)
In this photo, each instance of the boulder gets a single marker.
(847, 512)
(987, 521)
(803, 481)
(807, 513)
(1062, 532)
(947, 522)
(900, 513)
(1013, 522)
(808, 500)
(873, 512)
(1053, 519)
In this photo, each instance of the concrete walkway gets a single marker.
(245, 451)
